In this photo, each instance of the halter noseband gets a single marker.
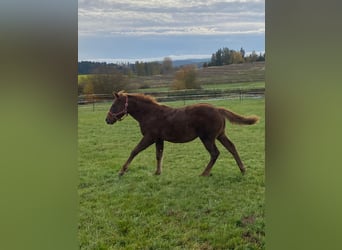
(124, 111)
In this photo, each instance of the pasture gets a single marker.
(220, 86)
(178, 209)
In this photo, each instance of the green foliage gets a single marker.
(147, 68)
(254, 57)
(87, 67)
(103, 83)
(178, 209)
(186, 78)
(227, 56)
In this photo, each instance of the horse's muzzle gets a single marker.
(110, 121)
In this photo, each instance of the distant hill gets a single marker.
(198, 62)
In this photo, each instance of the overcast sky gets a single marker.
(113, 30)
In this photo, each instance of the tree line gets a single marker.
(109, 79)
(104, 78)
(223, 56)
(226, 56)
(138, 68)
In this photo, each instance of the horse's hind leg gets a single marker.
(214, 153)
(159, 155)
(231, 148)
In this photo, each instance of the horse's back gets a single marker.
(160, 122)
(187, 123)
(206, 118)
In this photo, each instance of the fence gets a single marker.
(182, 95)
(167, 96)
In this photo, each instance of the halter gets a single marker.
(124, 111)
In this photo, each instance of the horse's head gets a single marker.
(118, 109)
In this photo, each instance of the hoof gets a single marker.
(206, 175)
(157, 173)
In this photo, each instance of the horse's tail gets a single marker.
(238, 119)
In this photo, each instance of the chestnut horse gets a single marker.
(159, 123)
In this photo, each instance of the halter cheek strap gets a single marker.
(124, 111)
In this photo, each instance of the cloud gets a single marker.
(176, 17)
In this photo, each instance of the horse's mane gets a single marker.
(142, 97)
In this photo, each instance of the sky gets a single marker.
(131, 30)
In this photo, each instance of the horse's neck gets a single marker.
(139, 110)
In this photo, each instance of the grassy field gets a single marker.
(178, 209)
(233, 76)
(233, 86)
(221, 86)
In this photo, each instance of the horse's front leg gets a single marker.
(159, 155)
(144, 143)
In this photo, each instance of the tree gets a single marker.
(261, 58)
(186, 78)
(104, 82)
(139, 68)
(167, 66)
(156, 68)
(243, 53)
(88, 88)
(252, 57)
(236, 57)
(219, 54)
(227, 58)
(213, 60)
(88, 91)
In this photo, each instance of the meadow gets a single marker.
(219, 86)
(178, 209)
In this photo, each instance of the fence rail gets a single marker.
(182, 95)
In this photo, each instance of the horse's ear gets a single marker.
(116, 95)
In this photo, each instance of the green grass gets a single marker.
(178, 209)
(220, 86)
(152, 89)
(240, 85)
